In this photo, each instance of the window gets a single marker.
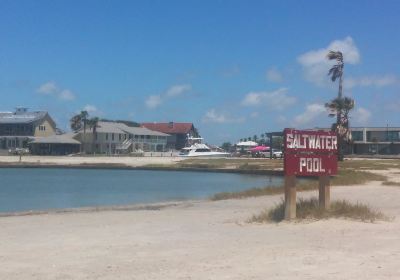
(120, 136)
(112, 136)
(357, 135)
(106, 136)
(42, 128)
(393, 136)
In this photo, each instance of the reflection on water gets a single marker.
(24, 189)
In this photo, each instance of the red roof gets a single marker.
(169, 128)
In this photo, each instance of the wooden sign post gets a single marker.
(308, 153)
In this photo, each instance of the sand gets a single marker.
(204, 240)
(98, 160)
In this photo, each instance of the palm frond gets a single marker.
(335, 55)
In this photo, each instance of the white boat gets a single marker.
(200, 150)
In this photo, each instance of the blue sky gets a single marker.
(233, 68)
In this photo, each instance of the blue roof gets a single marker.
(21, 118)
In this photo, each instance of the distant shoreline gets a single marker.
(154, 168)
(126, 163)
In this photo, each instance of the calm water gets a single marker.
(48, 188)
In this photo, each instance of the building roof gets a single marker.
(170, 128)
(21, 118)
(116, 127)
(56, 139)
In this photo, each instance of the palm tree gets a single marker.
(255, 138)
(342, 128)
(338, 105)
(336, 72)
(76, 122)
(84, 117)
(93, 124)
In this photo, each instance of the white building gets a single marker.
(115, 137)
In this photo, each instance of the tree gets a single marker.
(255, 138)
(277, 142)
(343, 105)
(339, 107)
(227, 146)
(93, 124)
(78, 122)
(336, 72)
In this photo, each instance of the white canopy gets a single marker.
(247, 144)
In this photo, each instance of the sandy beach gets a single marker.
(204, 240)
(79, 161)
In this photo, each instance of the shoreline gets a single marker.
(156, 206)
(203, 239)
(124, 163)
(106, 166)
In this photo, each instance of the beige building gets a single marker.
(18, 128)
(118, 138)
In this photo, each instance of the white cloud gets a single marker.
(316, 65)
(212, 116)
(377, 81)
(177, 90)
(153, 101)
(273, 75)
(48, 88)
(275, 100)
(66, 94)
(90, 109)
(311, 114)
(361, 116)
(51, 89)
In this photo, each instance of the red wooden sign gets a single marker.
(310, 165)
(310, 153)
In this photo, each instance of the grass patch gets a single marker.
(391, 183)
(223, 163)
(270, 190)
(353, 177)
(309, 209)
(253, 192)
(370, 164)
(344, 178)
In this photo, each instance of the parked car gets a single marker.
(277, 154)
(18, 151)
(266, 154)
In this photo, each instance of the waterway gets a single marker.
(25, 189)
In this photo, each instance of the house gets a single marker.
(18, 128)
(179, 132)
(115, 137)
(63, 144)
